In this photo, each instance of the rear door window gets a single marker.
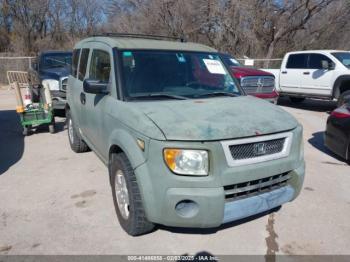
(297, 61)
(315, 61)
(75, 60)
(100, 66)
(83, 63)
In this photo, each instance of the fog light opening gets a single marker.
(187, 208)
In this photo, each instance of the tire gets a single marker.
(26, 130)
(128, 206)
(344, 97)
(296, 99)
(76, 142)
(348, 159)
(52, 126)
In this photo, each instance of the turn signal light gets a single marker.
(19, 109)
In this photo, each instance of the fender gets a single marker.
(337, 84)
(128, 144)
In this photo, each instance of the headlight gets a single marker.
(187, 162)
(53, 84)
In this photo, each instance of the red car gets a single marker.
(253, 81)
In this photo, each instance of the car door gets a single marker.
(73, 90)
(316, 80)
(291, 72)
(99, 68)
(80, 94)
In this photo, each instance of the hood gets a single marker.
(239, 71)
(54, 73)
(216, 118)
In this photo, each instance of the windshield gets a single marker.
(229, 60)
(56, 60)
(175, 75)
(343, 57)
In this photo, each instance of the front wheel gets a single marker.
(126, 197)
(344, 98)
(26, 130)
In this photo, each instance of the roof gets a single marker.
(316, 51)
(146, 44)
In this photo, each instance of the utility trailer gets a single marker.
(32, 113)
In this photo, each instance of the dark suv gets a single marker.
(53, 67)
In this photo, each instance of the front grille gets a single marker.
(255, 187)
(258, 84)
(257, 149)
(64, 83)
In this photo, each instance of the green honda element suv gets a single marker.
(183, 144)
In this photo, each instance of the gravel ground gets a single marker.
(53, 201)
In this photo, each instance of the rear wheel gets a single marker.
(26, 130)
(296, 99)
(343, 98)
(126, 197)
(52, 126)
(76, 142)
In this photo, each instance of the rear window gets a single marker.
(297, 61)
(83, 63)
(229, 60)
(75, 60)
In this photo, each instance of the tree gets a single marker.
(29, 20)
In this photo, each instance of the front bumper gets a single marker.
(211, 209)
(271, 97)
(163, 192)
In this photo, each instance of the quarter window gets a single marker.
(75, 60)
(100, 66)
(83, 63)
(297, 61)
(315, 61)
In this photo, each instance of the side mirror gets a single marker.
(325, 64)
(95, 87)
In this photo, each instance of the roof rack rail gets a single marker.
(158, 37)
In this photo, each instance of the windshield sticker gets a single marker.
(214, 66)
(181, 58)
(127, 54)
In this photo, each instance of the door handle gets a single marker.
(82, 98)
(306, 73)
(284, 72)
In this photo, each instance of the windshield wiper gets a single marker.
(217, 93)
(159, 95)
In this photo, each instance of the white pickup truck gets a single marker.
(323, 74)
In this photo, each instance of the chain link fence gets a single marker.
(13, 63)
(262, 63)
